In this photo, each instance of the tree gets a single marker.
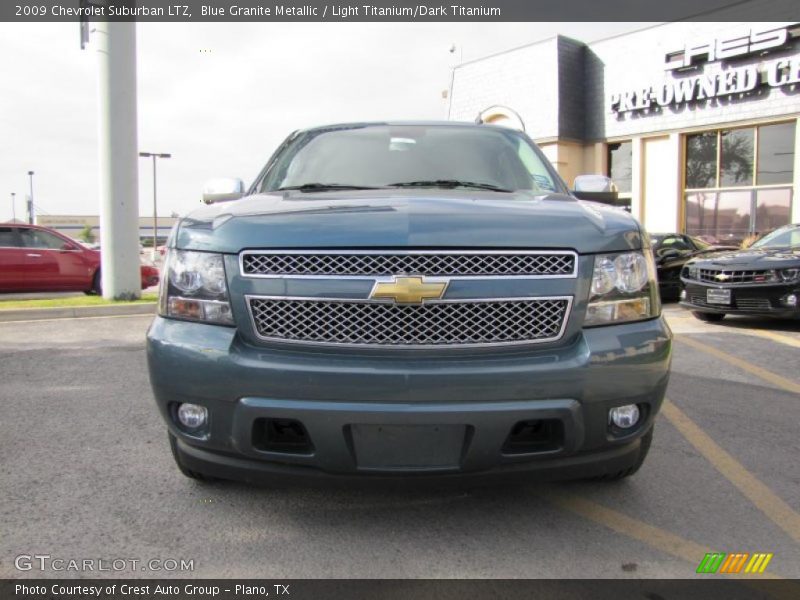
(87, 234)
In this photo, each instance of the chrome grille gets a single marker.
(373, 263)
(711, 275)
(753, 304)
(429, 324)
(747, 304)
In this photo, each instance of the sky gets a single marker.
(220, 97)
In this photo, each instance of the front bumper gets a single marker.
(480, 395)
(756, 300)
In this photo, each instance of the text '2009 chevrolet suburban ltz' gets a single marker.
(408, 299)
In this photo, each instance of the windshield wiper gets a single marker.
(318, 187)
(451, 183)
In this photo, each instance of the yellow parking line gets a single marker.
(651, 535)
(770, 335)
(753, 489)
(781, 382)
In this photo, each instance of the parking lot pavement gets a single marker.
(85, 472)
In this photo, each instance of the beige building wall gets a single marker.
(72, 225)
(567, 157)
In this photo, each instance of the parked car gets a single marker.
(407, 300)
(672, 251)
(762, 280)
(39, 259)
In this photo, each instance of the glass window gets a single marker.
(776, 153)
(33, 238)
(383, 155)
(719, 217)
(736, 157)
(699, 213)
(7, 238)
(701, 160)
(732, 216)
(619, 165)
(773, 208)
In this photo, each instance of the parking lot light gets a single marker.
(192, 416)
(624, 417)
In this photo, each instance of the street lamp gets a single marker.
(13, 206)
(30, 200)
(154, 156)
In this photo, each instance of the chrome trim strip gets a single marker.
(572, 275)
(565, 320)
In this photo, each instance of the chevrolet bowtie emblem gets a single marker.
(409, 290)
(721, 276)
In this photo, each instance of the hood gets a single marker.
(751, 258)
(408, 219)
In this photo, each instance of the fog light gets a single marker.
(192, 416)
(624, 417)
(791, 300)
(683, 294)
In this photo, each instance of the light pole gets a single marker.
(13, 206)
(30, 200)
(154, 156)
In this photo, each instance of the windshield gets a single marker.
(381, 156)
(780, 238)
(700, 244)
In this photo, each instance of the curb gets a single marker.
(36, 314)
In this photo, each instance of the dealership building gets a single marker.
(74, 225)
(696, 123)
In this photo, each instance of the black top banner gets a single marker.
(398, 10)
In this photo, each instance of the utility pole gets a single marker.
(155, 155)
(117, 128)
(30, 200)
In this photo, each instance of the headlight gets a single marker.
(194, 288)
(790, 275)
(623, 289)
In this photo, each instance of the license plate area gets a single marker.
(717, 296)
(408, 447)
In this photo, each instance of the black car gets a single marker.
(763, 280)
(672, 251)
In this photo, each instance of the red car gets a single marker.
(38, 259)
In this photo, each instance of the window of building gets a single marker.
(739, 181)
(736, 157)
(701, 160)
(620, 164)
(776, 154)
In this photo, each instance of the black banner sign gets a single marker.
(388, 589)
(397, 10)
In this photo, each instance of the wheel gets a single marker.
(173, 445)
(96, 289)
(709, 317)
(644, 448)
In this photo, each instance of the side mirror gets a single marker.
(222, 190)
(68, 246)
(598, 188)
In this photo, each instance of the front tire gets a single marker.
(96, 289)
(709, 317)
(173, 445)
